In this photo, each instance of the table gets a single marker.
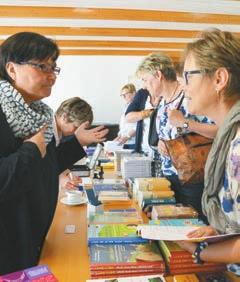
(67, 254)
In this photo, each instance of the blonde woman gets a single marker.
(212, 71)
(159, 78)
(127, 130)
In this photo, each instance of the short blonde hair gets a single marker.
(76, 110)
(130, 88)
(215, 49)
(158, 62)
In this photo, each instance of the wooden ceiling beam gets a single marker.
(85, 31)
(120, 44)
(115, 14)
(176, 55)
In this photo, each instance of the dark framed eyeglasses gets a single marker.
(187, 73)
(43, 67)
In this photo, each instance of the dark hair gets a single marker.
(76, 109)
(23, 47)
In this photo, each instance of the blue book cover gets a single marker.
(125, 255)
(109, 187)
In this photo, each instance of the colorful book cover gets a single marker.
(177, 222)
(115, 217)
(171, 250)
(109, 187)
(173, 211)
(125, 255)
(114, 233)
(34, 274)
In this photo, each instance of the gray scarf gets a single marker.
(24, 120)
(215, 169)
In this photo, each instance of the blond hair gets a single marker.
(158, 62)
(215, 49)
(130, 88)
(76, 110)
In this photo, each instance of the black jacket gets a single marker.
(28, 195)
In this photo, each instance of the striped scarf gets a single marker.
(25, 120)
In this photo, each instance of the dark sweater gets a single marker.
(28, 195)
(137, 105)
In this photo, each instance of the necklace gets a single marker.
(173, 94)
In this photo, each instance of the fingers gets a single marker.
(98, 128)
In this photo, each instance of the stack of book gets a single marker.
(179, 261)
(133, 166)
(115, 248)
(153, 191)
(118, 156)
(119, 260)
(111, 192)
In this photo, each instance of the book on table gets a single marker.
(180, 261)
(113, 196)
(173, 211)
(97, 188)
(145, 278)
(123, 259)
(152, 184)
(114, 234)
(127, 216)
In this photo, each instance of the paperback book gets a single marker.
(114, 234)
(125, 256)
(147, 278)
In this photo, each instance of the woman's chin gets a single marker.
(192, 109)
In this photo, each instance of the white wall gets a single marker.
(98, 80)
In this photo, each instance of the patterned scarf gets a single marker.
(215, 169)
(25, 120)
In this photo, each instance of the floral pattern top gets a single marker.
(229, 195)
(167, 132)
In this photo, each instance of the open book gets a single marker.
(177, 233)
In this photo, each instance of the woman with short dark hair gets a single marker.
(30, 161)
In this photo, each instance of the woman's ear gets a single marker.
(221, 79)
(11, 70)
(158, 74)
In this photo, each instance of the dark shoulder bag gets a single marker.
(152, 134)
(189, 154)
